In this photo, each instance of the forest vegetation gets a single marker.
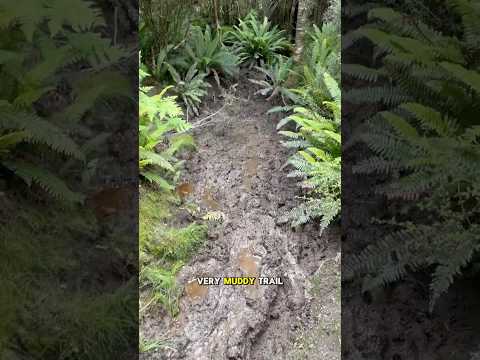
(425, 141)
(54, 143)
(207, 45)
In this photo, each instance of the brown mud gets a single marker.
(239, 170)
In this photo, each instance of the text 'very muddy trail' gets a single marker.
(239, 173)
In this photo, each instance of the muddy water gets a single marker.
(184, 189)
(248, 263)
(194, 291)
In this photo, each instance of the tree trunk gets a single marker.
(216, 10)
(302, 22)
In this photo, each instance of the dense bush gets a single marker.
(257, 42)
(207, 51)
(159, 115)
(318, 158)
(426, 142)
(32, 140)
(316, 104)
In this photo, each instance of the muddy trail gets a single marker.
(238, 175)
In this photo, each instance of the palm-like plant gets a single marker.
(275, 82)
(258, 42)
(191, 88)
(208, 52)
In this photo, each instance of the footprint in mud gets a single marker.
(184, 189)
(194, 291)
(209, 201)
(250, 266)
(249, 263)
(251, 167)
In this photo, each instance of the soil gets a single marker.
(239, 171)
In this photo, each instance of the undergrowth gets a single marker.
(314, 108)
(53, 303)
(62, 312)
(425, 141)
(163, 250)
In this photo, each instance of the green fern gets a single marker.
(426, 142)
(318, 158)
(160, 115)
(53, 36)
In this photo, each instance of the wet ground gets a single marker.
(238, 173)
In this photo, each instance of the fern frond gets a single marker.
(50, 183)
(39, 131)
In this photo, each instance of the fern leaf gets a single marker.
(49, 182)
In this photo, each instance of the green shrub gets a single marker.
(322, 55)
(163, 250)
(191, 88)
(159, 115)
(208, 52)
(426, 142)
(258, 43)
(317, 160)
(277, 76)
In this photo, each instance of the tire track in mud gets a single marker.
(239, 170)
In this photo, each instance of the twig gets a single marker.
(201, 122)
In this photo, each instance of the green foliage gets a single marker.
(318, 158)
(162, 257)
(179, 244)
(160, 115)
(315, 112)
(208, 52)
(162, 287)
(31, 59)
(191, 88)
(322, 55)
(162, 23)
(159, 68)
(66, 322)
(51, 52)
(146, 346)
(163, 251)
(277, 76)
(426, 142)
(256, 42)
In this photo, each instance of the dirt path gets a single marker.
(238, 172)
